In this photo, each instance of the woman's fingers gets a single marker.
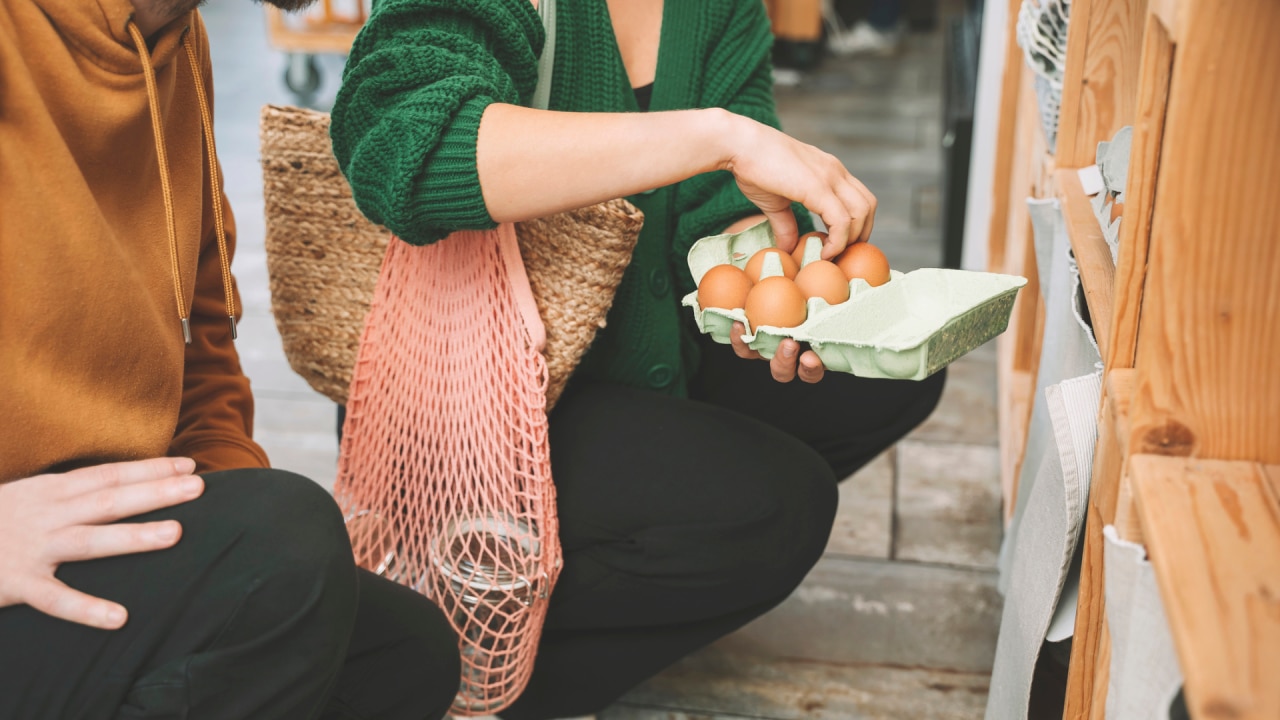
(786, 232)
(89, 542)
(868, 205)
(783, 364)
(51, 597)
(861, 205)
(116, 503)
(740, 347)
(810, 367)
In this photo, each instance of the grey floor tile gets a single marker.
(864, 519)
(715, 681)
(882, 613)
(967, 411)
(948, 504)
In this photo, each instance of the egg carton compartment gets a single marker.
(908, 328)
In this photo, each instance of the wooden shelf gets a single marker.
(1093, 256)
(1212, 529)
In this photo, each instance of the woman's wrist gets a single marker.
(725, 134)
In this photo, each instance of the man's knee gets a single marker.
(286, 542)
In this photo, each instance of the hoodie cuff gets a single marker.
(446, 196)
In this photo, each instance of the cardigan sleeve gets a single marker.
(740, 79)
(417, 81)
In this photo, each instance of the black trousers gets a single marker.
(258, 612)
(682, 520)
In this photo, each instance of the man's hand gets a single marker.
(48, 520)
(784, 366)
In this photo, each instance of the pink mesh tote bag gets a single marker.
(445, 473)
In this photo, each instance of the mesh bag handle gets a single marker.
(444, 475)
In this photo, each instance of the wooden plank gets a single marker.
(1093, 256)
(1144, 163)
(1209, 341)
(1090, 650)
(1010, 84)
(1213, 535)
(1072, 81)
(1166, 11)
(1090, 644)
(1019, 346)
(1101, 77)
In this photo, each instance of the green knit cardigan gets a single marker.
(422, 72)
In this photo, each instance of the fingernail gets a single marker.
(166, 533)
(788, 350)
(192, 486)
(184, 465)
(114, 617)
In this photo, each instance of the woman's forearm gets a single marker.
(533, 163)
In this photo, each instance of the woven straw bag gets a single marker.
(323, 258)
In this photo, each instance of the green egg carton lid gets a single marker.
(908, 328)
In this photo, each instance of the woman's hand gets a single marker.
(784, 366)
(772, 169)
(49, 520)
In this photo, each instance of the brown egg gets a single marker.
(821, 278)
(775, 301)
(864, 260)
(725, 287)
(798, 253)
(756, 264)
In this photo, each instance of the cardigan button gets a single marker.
(661, 375)
(659, 283)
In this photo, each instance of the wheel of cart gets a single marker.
(322, 30)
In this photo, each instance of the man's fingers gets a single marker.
(811, 368)
(89, 479)
(53, 598)
(783, 364)
(116, 503)
(89, 542)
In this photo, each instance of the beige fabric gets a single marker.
(323, 258)
(1145, 675)
(1053, 487)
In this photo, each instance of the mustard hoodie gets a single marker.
(93, 283)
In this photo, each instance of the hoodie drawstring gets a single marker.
(206, 124)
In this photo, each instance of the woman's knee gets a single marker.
(775, 521)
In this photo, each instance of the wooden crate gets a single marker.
(1185, 319)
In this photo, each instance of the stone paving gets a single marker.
(899, 618)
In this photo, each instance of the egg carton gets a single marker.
(908, 328)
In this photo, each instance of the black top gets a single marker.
(643, 96)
